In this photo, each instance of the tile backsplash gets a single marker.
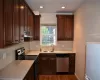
(7, 55)
(61, 45)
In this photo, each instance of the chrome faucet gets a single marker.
(52, 48)
(40, 49)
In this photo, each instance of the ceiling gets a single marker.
(53, 6)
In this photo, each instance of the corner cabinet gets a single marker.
(65, 27)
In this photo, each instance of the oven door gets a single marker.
(21, 57)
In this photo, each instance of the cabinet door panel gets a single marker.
(60, 27)
(44, 65)
(22, 20)
(72, 63)
(69, 27)
(30, 22)
(16, 26)
(65, 27)
(37, 27)
(53, 65)
(47, 64)
(26, 17)
(1, 25)
(8, 21)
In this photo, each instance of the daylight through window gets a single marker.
(48, 35)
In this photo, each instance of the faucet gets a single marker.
(52, 48)
(40, 49)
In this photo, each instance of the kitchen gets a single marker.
(83, 20)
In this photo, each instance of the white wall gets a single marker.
(93, 61)
(10, 53)
(50, 18)
(87, 29)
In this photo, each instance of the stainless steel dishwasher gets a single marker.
(62, 63)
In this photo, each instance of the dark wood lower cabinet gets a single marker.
(30, 74)
(47, 64)
(72, 63)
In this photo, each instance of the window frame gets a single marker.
(48, 25)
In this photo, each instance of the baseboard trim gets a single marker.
(77, 76)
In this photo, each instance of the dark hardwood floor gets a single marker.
(57, 77)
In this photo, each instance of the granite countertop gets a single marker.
(33, 52)
(16, 70)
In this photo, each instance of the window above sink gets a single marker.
(48, 35)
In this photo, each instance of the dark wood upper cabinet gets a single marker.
(65, 27)
(1, 24)
(16, 24)
(37, 27)
(8, 22)
(15, 18)
(60, 27)
(22, 20)
(26, 18)
(69, 28)
(31, 23)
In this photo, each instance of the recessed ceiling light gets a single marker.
(41, 7)
(63, 7)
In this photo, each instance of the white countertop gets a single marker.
(16, 70)
(38, 52)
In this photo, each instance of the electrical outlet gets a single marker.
(4, 55)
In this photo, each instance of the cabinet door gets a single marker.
(16, 26)
(72, 63)
(53, 65)
(1, 25)
(22, 20)
(47, 63)
(69, 27)
(26, 18)
(60, 27)
(37, 27)
(44, 66)
(30, 22)
(8, 21)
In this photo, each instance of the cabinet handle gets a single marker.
(52, 58)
